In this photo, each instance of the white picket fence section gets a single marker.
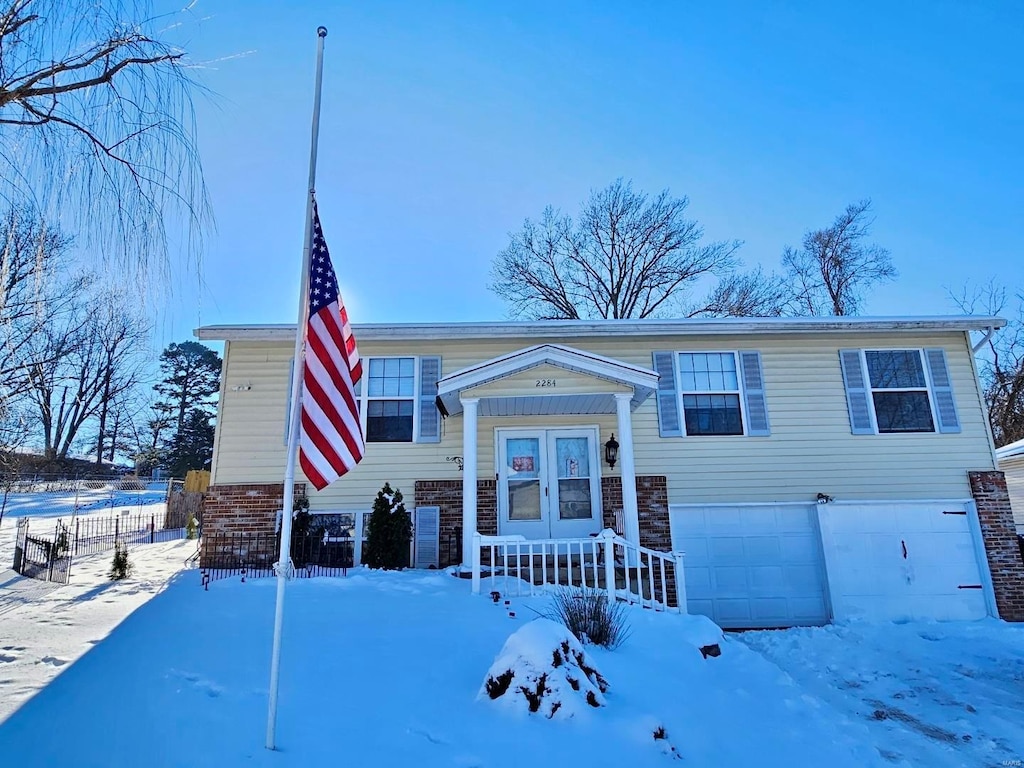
(606, 562)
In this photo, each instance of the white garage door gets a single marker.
(757, 565)
(901, 561)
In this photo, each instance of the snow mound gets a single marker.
(543, 669)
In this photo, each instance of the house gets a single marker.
(810, 469)
(1011, 463)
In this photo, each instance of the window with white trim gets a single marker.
(710, 395)
(899, 392)
(389, 399)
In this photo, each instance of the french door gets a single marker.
(548, 483)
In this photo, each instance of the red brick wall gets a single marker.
(447, 494)
(249, 508)
(611, 500)
(1000, 536)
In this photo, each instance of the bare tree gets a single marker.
(121, 334)
(626, 256)
(837, 265)
(97, 118)
(1002, 362)
(32, 254)
(747, 294)
(83, 362)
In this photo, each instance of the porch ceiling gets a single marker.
(642, 381)
(547, 405)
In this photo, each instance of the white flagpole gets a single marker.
(284, 563)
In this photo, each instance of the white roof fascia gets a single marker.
(607, 328)
(1010, 451)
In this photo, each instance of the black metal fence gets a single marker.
(47, 553)
(252, 555)
(43, 558)
(99, 534)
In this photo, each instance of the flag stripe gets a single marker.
(331, 438)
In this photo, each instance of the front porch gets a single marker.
(447, 495)
(551, 478)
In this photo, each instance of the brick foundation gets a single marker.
(1001, 546)
(250, 508)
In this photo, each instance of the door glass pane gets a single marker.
(572, 455)
(523, 499)
(523, 471)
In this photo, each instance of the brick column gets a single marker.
(1000, 537)
(611, 500)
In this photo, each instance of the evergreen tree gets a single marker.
(389, 532)
(191, 447)
(191, 376)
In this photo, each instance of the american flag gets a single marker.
(331, 441)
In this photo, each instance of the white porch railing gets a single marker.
(606, 562)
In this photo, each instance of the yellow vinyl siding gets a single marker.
(810, 449)
(1014, 469)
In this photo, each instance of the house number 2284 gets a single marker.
(546, 383)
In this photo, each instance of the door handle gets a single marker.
(904, 545)
(545, 490)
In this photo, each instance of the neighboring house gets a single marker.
(1011, 462)
(811, 469)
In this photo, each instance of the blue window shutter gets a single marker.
(430, 417)
(942, 390)
(668, 400)
(856, 392)
(753, 392)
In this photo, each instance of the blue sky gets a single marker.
(445, 124)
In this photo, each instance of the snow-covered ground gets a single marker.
(385, 669)
(931, 693)
(46, 627)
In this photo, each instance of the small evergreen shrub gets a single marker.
(389, 532)
(120, 567)
(191, 527)
(590, 616)
(496, 686)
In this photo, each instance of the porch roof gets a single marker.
(643, 382)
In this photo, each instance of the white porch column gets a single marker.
(469, 473)
(627, 465)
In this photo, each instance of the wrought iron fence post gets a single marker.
(117, 529)
(152, 530)
(77, 521)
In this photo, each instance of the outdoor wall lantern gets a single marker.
(611, 451)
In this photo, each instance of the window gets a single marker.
(899, 390)
(390, 399)
(710, 392)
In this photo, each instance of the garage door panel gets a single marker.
(901, 561)
(734, 612)
(726, 548)
(730, 581)
(752, 565)
(800, 548)
(791, 519)
(767, 579)
(763, 549)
